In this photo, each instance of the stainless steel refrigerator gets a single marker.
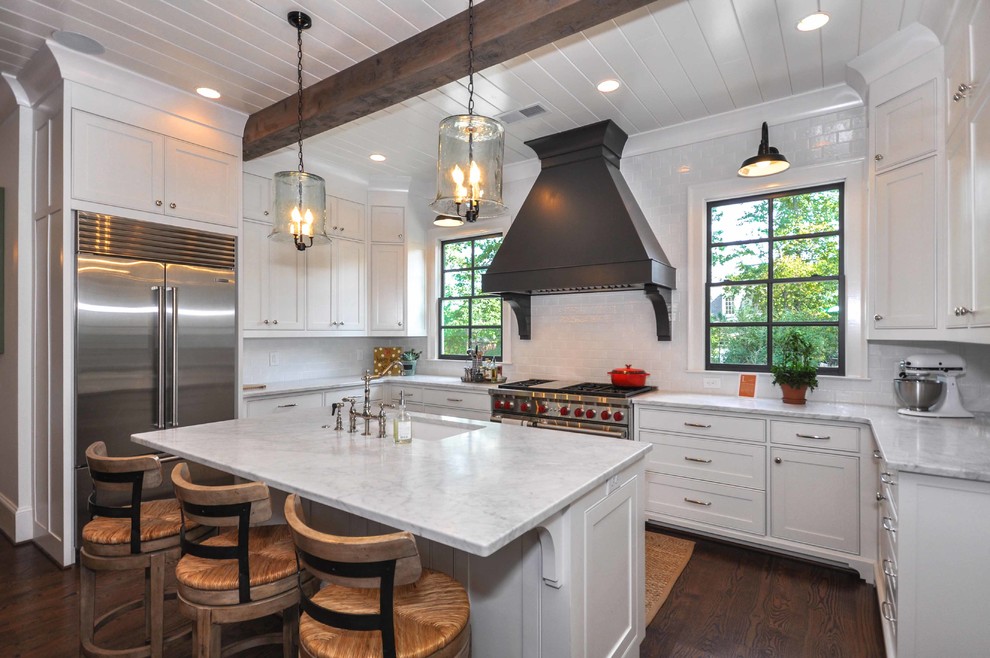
(156, 334)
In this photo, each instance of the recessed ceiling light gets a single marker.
(377, 157)
(605, 86)
(207, 92)
(812, 21)
(78, 42)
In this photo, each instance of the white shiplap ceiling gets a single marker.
(677, 61)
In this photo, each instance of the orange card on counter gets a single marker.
(747, 386)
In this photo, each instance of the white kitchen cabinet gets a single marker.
(257, 193)
(118, 164)
(283, 403)
(815, 498)
(905, 127)
(960, 243)
(932, 576)
(387, 299)
(346, 219)
(273, 277)
(903, 266)
(462, 402)
(336, 287)
(387, 224)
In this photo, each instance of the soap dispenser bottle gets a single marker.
(402, 425)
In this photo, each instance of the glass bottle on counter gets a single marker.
(402, 424)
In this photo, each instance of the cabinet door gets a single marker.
(200, 183)
(388, 284)
(349, 222)
(254, 275)
(814, 499)
(960, 221)
(350, 281)
(905, 127)
(387, 224)
(904, 247)
(980, 140)
(319, 288)
(286, 297)
(117, 164)
(257, 195)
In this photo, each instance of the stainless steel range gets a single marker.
(589, 408)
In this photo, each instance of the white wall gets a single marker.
(313, 358)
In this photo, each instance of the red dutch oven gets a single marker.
(629, 377)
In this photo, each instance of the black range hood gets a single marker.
(580, 230)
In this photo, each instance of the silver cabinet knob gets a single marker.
(776, 460)
(880, 497)
(878, 317)
(956, 97)
(158, 202)
(266, 213)
(266, 322)
(400, 323)
(878, 157)
(961, 92)
(172, 205)
(274, 321)
(400, 236)
(962, 310)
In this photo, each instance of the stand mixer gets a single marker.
(942, 368)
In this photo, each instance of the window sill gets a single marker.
(733, 373)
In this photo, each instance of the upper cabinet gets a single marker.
(905, 127)
(387, 224)
(117, 164)
(257, 198)
(345, 219)
(273, 281)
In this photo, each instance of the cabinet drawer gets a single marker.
(412, 393)
(714, 460)
(716, 504)
(458, 399)
(283, 404)
(812, 435)
(703, 424)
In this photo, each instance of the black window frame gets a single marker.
(770, 324)
(441, 298)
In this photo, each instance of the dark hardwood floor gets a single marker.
(732, 602)
(729, 602)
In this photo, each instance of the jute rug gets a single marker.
(666, 558)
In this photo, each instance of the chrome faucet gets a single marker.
(365, 412)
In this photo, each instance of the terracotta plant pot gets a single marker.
(793, 395)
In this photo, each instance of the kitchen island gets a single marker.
(544, 529)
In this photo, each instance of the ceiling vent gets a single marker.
(513, 116)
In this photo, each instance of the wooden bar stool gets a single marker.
(131, 535)
(377, 599)
(242, 573)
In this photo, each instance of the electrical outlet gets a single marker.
(273, 358)
(713, 382)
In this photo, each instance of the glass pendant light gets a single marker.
(300, 212)
(767, 160)
(469, 158)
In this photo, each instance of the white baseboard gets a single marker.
(14, 522)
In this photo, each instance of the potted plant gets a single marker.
(796, 371)
(408, 359)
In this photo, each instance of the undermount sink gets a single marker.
(432, 430)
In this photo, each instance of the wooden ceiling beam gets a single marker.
(503, 29)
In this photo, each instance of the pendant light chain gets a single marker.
(299, 72)
(470, 57)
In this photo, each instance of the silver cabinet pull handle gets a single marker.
(877, 455)
(455, 400)
(878, 157)
(698, 459)
(704, 427)
(878, 317)
(160, 340)
(888, 612)
(286, 406)
(697, 502)
(158, 202)
(888, 569)
(812, 436)
(888, 525)
(175, 356)
(887, 478)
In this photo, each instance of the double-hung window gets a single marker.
(467, 316)
(775, 265)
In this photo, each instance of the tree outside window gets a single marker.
(467, 316)
(775, 265)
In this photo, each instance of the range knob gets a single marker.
(617, 416)
(508, 404)
(541, 409)
(606, 414)
(524, 406)
(590, 413)
(564, 411)
(497, 404)
(578, 412)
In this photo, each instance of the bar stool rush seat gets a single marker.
(132, 535)
(377, 599)
(246, 572)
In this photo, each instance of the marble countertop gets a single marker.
(476, 490)
(329, 383)
(952, 447)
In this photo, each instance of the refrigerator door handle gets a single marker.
(174, 349)
(160, 343)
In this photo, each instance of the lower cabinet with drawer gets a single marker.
(788, 485)
(457, 401)
(283, 403)
(932, 575)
